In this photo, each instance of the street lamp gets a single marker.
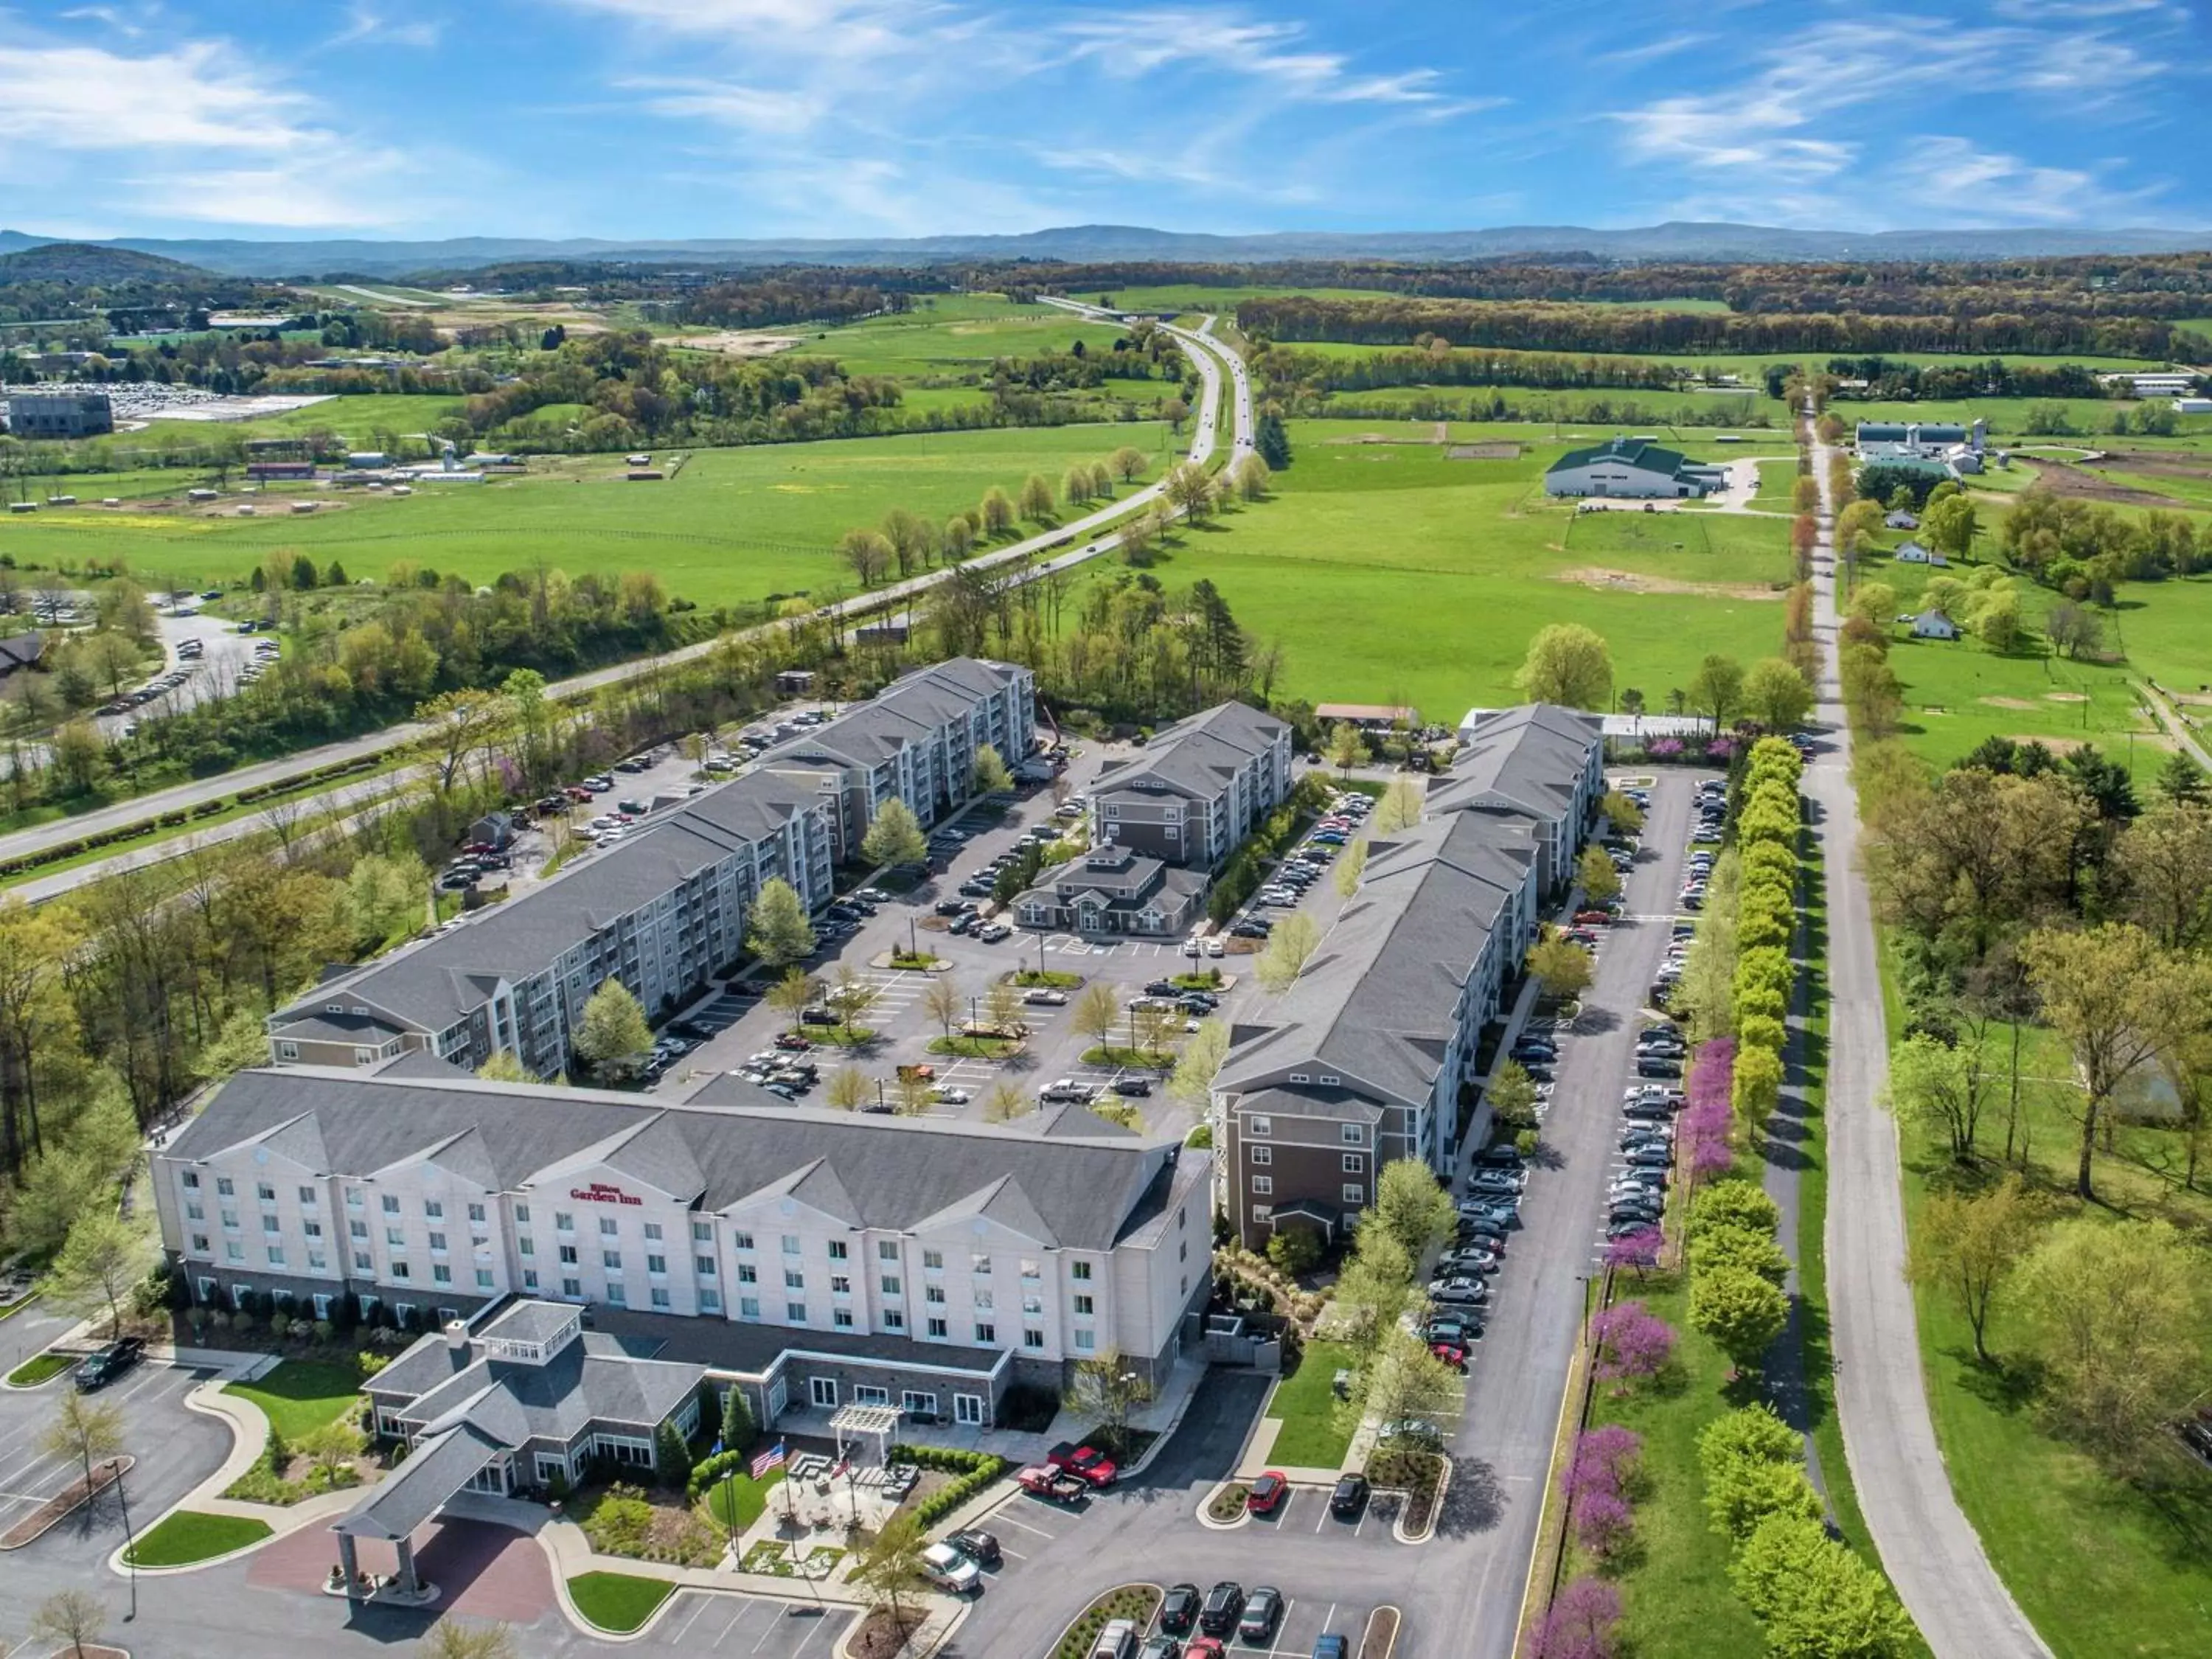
(129, 1561)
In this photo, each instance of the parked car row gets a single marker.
(1636, 1198)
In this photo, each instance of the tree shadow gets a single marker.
(1475, 1502)
(2005, 1385)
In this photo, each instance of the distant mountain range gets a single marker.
(1718, 242)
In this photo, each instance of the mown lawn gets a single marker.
(188, 1536)
(301, 1395)
(733, 525)
(743, 1494)
(1389, 572)
(618, 1602)
(1305, 1403)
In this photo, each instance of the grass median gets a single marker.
(187, 1536)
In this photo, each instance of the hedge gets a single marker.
(976, 1470)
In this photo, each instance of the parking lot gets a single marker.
(747, 1626)
(1333, 1573)
(737, 1026)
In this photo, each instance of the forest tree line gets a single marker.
(1544, 326)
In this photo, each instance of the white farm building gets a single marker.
(1632, 467)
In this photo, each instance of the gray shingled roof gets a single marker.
(435, 983)
(885, 1172)
(1531, 755)
(438, 1467)
(903, 712)
(1375, 1005)
(1196, 756)
(318, 1024)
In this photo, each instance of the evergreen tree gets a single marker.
(1273, 440)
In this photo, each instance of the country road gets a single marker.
(1210, 356)
(1930, 1551)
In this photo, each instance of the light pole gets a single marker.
(129, 1561)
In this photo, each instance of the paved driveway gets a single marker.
(175, 1450)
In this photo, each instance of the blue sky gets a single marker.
(748, 118)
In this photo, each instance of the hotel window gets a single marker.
(986, 1332)
(741, 1241)
(306, 1195)
(659, 1296)
(395, 1238)
(795, 1312)
(652, 1229)
(530, 1278)
(269, 1223)
(223, 1186)
(985, 1302)
(1083, 1306)
(794, 1279)
(1355, 1194)
(400, 1270)
(839, 1285)
(433, 1210)
(893, 1320)
(234, 1250)
(1261, 1212)
(702, 1231)
(791, 1243)
(525, 1245)
(1355, 1163)
(934, 1293)
(563, 1222)
(979, 1262)
(391, 1205)
(440, 1274)
(611, 1260)
(1032, 1339)
(522, 1214)
(483, 1278)
(836, 1249)
(200, 1242)
(1030, 1269)
(1263, 1186)
(932, 1261)
(606, 1226)
(193, 1179)
(438, 1243)
(749, 1307)
(616, 1297)
(1353, 1134)
(230, 1220)
(1079, 1270)
(569, 1258)
(710, 1300)
(1263, 1155)
(703, 1266)
(313, 1228)
(656, 1264)
(890, 1285)
(841, 1318)
(318, 1262)
(887, 1249)
(1259, 1125)
(362, 1263)
(265, 1192)
(276, 1255)
(747, 1273)
(937, 1327)
(1085, 1340)
(477, 1214)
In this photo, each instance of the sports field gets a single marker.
(732, 525)
(1389, 572)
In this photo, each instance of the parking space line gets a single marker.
(696, 1613)
(1015, 1521)
(812, 1630)
(744, 1608)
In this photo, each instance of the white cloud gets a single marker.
(727, 103)
(197, 96)
(365, 26)
(1971, 185)
(1652, 51)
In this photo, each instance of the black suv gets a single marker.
(1223, 1602)
(1179, 1609)
(103, 1365)
(1349, 1497)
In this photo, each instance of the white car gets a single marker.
(949, 1569)
(945, 1095)
(1045, 996)
(1191, 947)
(1214, 947)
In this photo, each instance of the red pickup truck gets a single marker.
(1042, 1480)
(1085, 1462)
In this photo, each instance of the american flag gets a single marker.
(770, 1459)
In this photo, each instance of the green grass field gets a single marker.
(1304, 1402)
(356, 417)
(618, 1602)
(187, 1536)
(300, 1396)
(929, 341)
(733, 525)
(1390, 573)
(2090, 417)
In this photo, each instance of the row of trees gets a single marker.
(1540, 326)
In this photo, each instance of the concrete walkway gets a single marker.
(1932, 1553)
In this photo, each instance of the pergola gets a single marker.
(879, 1422)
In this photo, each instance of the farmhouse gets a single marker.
(1954, 449)
(1912, 553)
(1934, 625)
(1901, 519)
(1631, 467)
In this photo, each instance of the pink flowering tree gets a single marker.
(1582, 1623)
(1603, 1523)
(1706, 1119)
(1608, 1455)
(1639, 1249)
(1632, 1343)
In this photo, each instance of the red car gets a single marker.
(1086, 1462)
(576, 792)
(1595, 918)
(1205, 1647)
(793, 1042)
(1267, 1493)
(1451, 1353)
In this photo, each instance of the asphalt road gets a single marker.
(1209, 355)
(1930, 1551)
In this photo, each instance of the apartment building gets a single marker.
(1363, 1060)
(818, 1257)
(915, 741)
(1197, 789)
(1110, 889)
(660, 912)
(1537, 762)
